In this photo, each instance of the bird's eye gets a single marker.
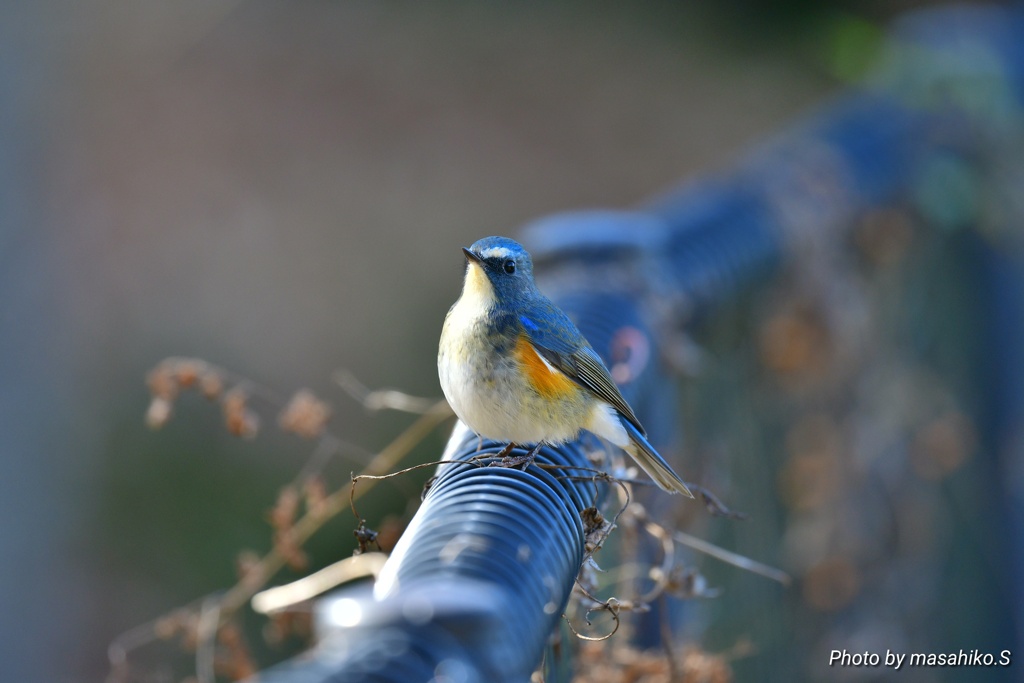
(510, 266)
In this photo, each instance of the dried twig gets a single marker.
(206, 639)
(732, 558)
(284, 597)
(306, 526)
(382, 399)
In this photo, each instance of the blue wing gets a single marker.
(653, 464)
(558, 340)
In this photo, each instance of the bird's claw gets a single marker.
(521, 461)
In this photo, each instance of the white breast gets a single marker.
(461, 365)
(489, 391)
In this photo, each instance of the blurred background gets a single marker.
(282, 188)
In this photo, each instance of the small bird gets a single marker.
(514, 367)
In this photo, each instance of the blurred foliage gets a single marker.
(851, 425)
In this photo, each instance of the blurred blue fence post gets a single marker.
(480, 579)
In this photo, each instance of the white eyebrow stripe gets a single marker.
(496, 252)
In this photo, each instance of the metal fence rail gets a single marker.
(474, 586)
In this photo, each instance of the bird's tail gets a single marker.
(652, 462)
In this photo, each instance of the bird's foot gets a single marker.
(520, 461)
(502, 455)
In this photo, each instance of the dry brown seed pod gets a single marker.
(187, 372)
(210, 384)
(305, 415)
(239, 420)
(283, 514)
(161, 382)
(159, 412)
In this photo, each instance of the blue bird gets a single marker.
(514, 367)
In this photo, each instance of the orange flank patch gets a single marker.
(549, 382)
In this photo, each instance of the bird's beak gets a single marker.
(471, 257)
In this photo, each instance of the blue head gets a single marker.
(504, 265)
